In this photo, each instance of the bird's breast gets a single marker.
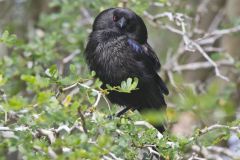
(113, 61)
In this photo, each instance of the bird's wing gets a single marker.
(145, 51)
(145, 54)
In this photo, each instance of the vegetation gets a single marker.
(51, 107)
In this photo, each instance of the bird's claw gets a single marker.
(111, 117)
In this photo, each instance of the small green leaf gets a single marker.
(98, 83)
(91, 99)
(8, 39)
(2, 80)
(17, 103)
(72, 68)
(123, 85)
(108, 86)
(44, 97)
(135, 83)
(129, 82)
(93, 73)
(5, 35)
(28, 78)
(52, 72)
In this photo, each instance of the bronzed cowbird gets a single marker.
(118, 49)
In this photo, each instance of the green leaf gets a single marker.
(29, 78)
(9, 40)
(109, 87)
(93, 73)
(123, 85)
(52, 72)
(17, 103)
(103, 140)
(72, 68)
(129, 82)
(5, 35)
(44, 97)
(134, 84)
(2, 80)
(98, 83)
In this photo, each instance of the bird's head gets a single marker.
(122, 20)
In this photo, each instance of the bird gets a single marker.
(117, 49)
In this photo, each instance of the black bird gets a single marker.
(118, 49)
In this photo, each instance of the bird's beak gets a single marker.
(122, 22)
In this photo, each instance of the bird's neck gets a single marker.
(106, 35)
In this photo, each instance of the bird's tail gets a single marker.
(156, 118)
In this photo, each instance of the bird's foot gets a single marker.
(111, 117)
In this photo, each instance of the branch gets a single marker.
(192, 45)
(47, 133)
(152, 151)
(84, 85)
(71, 56)
(148, 125)
(225, 31)
(99, 94)
(224, 151)
(195, 157)
(82, 120)
(210, 38)
(52, 153)
(214, 152)
(205, 152)
(219, 126)
(200, 65)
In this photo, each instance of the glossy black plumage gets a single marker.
(118, 49)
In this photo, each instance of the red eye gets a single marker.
(114, 18)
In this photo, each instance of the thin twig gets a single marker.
(152, 151)
(235, 129)
(82, 120)
(69, 87)
(201, 65)
(193, 45)
(71, 56)
(205, 152)
(148, 125)
(99, 94)
(105, 98)
(47, 133)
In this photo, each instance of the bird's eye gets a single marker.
(115, 18)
